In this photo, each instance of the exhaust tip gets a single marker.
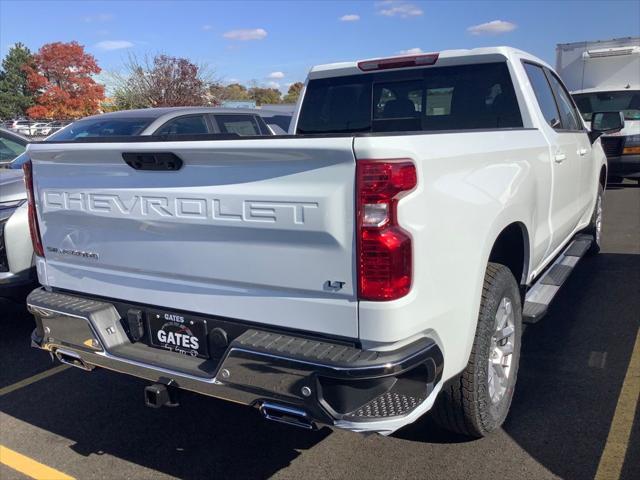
(72, 359)
(287, 415)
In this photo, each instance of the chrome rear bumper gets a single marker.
(332, 383)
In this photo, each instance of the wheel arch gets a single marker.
(603, 176)
(511, 248)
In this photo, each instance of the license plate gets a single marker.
(178, 333)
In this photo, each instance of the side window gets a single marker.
(188, 125)
(567, 111)
(543, 92)
(9, 149)
(244, 125)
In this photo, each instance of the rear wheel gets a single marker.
(476, 402)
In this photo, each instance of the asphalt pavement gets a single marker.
(567, 402)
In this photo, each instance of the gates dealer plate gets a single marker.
(178, 333)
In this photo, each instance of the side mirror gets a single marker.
(605, 122)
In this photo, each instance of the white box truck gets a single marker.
(604, 75)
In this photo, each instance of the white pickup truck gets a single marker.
(377, 262)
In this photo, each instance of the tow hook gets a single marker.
(161, 395)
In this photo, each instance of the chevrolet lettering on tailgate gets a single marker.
(157, 207)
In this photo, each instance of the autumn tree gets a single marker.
(293, 93)
(61, 75)
(15, 95)
(161, 81)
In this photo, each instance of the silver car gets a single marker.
(16, 251)
(170, 121)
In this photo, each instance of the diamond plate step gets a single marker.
(389, 404)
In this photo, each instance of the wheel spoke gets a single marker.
(506, 349)
(501, 351)
(506, 332)
(498, 369)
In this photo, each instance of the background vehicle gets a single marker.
(11, 145)
(32, 129)
(17, 271)
(278, 121)
(167, 121)
(17, 123)
(378, 263)
(605, 76)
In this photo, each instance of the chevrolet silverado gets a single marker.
(376, 263)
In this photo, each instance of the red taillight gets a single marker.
(398, 62)
(33, 218)
(384, 248)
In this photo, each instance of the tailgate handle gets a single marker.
(153, 160)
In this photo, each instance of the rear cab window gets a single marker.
(477, 96)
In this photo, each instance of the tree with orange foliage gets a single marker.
(62, 77)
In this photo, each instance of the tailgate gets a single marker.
(259, 230)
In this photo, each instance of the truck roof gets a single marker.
(445, 57)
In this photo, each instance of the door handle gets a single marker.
(559, 157)
(582, 152)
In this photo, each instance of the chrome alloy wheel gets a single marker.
(501, 351)
(598, 219)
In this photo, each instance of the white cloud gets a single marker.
(100, 17)
(273, 85)
(410, 51)
(398, 8)
(351, 17)
(495, 27)
(276, 75)
(207, 27)
(114, 44)
(246, 34)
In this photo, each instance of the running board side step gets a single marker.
(542, 293)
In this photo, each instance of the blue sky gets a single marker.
(275, 42)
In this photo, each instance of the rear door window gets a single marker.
(243, 125)
(187, 125)
(479, 96)
(544, 95)
(568, 113)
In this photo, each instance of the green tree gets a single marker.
(294, 92)
(265, 96)
(234, 91)
(15, 94)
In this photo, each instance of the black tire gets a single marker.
(464, 405)
(592, 229)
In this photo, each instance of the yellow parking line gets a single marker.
(30, 467)
(35, 378)
(615, 450)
